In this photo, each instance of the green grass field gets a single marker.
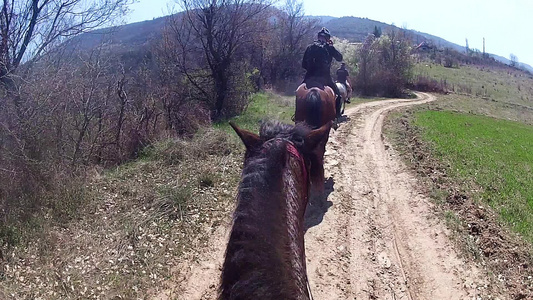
(491, 157)
(492, 83)
(498, 92)
(262, 106)
(267, 105)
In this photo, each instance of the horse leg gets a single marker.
(338, 104)
(316, 174)
(317, 167)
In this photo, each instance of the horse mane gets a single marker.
(254, 267)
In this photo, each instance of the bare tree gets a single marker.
(30, 28)
(218, 29)
(293, 32)
(122, 101)
(384, 64)
(514, 60)
(366, 57)
(88, 98)
(298, 27)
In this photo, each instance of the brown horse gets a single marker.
(316, 107)
(265, 255)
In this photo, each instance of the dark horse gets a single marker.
(265, 256)
(316, 107)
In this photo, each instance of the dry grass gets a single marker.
(141, 219)
(137, 222)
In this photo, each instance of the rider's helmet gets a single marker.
(325, 33)
(343, 65)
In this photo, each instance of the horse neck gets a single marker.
(265, 256)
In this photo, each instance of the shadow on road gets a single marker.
(318, 205)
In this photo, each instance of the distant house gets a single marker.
(424, 47)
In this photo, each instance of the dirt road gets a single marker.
(379, 239)
(376, 237)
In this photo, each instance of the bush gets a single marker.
(384, 66)
(426, 84)
(207, 141)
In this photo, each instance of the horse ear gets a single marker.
(316, 136)
(249, 139)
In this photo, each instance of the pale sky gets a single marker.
(507, 25)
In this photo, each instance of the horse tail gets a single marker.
(314, 104)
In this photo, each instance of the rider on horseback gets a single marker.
(317, 61)
(342, 77)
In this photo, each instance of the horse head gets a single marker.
(305, 140)
(265, 256)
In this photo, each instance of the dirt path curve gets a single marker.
(380, 238)
(376, 237)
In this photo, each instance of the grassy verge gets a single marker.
(140, 221)
(494, 158)
(266, 105)
(263, 105)
(477, 169)
(502, 84)
(145, 218)
(484, 107)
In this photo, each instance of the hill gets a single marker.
(352, 28)
(355, 29)
(125, 36)
(135, 37)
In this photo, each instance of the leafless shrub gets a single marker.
(210, 37)
(426, 84)
(206, 142)
(384, 66)
(42, 129)
(285, 45)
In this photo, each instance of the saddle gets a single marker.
(312, 82)
(343, 89)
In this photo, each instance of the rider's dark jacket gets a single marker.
(317, 62)
(342, 75)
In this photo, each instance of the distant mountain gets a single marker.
(356, 29)
(126, 36)
(504, 60)
(136, 37)
(323, 19)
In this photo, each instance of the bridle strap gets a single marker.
(292, 150)
(309, 289)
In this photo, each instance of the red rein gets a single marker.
(292, 150)
(296, 154)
